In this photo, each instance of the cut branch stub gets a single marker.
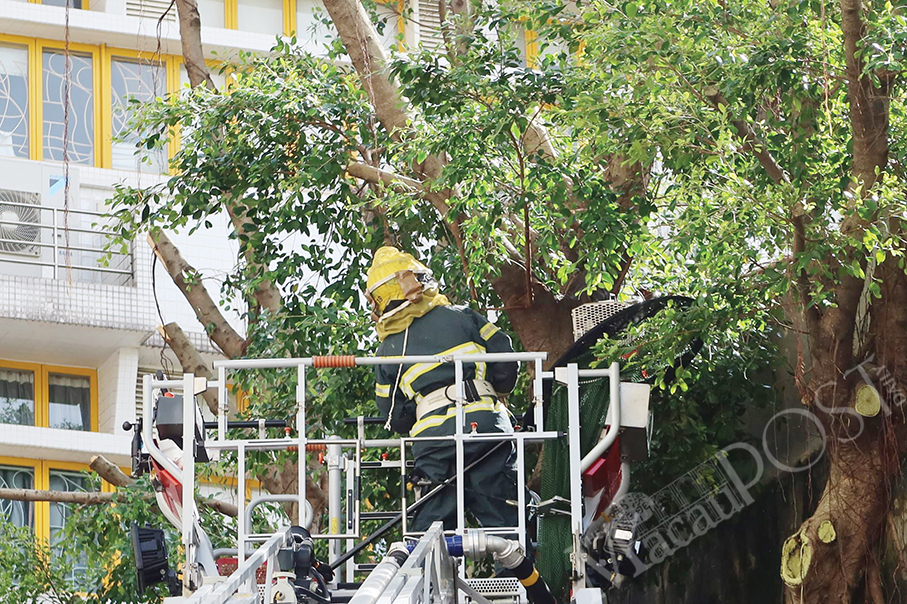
(868, 401)
(109, 471)
(796, 556)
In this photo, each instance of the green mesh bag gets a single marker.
(554, 540)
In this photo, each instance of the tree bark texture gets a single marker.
(109, 471)
(191, 39)
(190, 360)
(189, 282)
(98, 498)
(863, 454)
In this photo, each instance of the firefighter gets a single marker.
(413, 318)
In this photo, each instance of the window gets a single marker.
(19, 513)
(132, 79)
(33, 107)
(17, 397)
(14, 101)
(47, 519)
(212, 13)
(49, 397)
(78, 125)
(61, 480)
(69, 401)
(72, 3)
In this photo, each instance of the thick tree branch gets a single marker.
(370, 61)
(189, 282)
(190, 360)
(868, 104)
(753, 144)
(537, 140)
(266, 295)
(191, 38)
(368, 57)
(109, 471)
(97, 498)
(398, 183)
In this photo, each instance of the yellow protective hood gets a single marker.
(403, 318)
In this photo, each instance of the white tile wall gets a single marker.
(116, 390)
(120, 31)
(65, 445)
(130, 307)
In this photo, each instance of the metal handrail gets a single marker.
(57, 228)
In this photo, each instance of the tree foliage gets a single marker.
(745, 154)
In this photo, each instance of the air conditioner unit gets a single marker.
(20, 222)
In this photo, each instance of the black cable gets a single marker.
(157, 304)
(413, 507)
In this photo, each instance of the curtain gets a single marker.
(17, 397)
(69, 398)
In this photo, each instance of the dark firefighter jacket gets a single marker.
(443, 330)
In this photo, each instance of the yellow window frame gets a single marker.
(41, 512)
(85, 4)
(101, 79)
(41, 470)
(92, 376)
(42, 402)
(231, 12)
(65, 466)
(42, 45)
(171, 83)
(34, 75)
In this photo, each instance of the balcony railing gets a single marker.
(62, 244)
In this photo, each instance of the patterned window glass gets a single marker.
(60, 512)
(142, 82)
(81, 106)
(17, 397)
(19, 513)
(13, 101)
(69, 401)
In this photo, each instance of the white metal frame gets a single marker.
(569, 375)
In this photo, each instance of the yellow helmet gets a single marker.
(395, 275)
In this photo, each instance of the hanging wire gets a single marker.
(67, 85)
(166, 363)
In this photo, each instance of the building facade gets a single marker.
(78, 325)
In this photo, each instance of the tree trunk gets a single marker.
(191, 39)
(190, 360)
(542, 323)
(828, 559)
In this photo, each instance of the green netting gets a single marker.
(555, 541)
